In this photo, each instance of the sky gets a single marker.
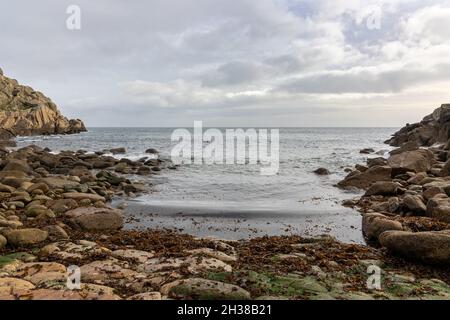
(236, 63)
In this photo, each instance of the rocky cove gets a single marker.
(55, 212)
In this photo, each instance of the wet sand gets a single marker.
(234, 224)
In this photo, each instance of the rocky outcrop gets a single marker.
(434, 128)
(24, 111)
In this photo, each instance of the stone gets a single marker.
(414, 204)
(152, 151)
(439, 208)
(136, 256)
(213, 254)
(430, 247)
(416, 161)
(374, 224)
(13, 288)
(56, 233)
(49, 294)
(322, 172)
(7, 189)
(106, 270)
(382, 188)
(21, 237)
(146, 296)
(59, 183)
(81, 196)
(365, 179)
(118, 150)
(92, 218)
(3, 242)
(380, 161)
(192, 264)
(202, 289)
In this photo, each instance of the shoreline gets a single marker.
(50, 220)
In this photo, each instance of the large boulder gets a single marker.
(20, 237)
(382, 188)
(439, 208)
(374, 224)
(414, 204)
(365, 179)
(429, 247)
(93, 219)
(416, 161)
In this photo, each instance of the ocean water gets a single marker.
(236, 201)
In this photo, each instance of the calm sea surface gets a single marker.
(235, 201)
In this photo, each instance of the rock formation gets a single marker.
(434, 128)
(24, 111)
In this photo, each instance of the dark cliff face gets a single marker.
(434, 128)
(24, 111)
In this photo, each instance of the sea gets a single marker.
(234, 201)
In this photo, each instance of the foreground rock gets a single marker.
(365, 179)
(429, 247)
(91, 218)
(23, 237)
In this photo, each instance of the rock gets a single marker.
(92, 218)
(56, 233)
(22, 237)
(434, 128)
(417, 178)
(118, 151)
(36, 210)
(374, 224)
(365, 179)
(152, 151)
(146, 296)
(376, 162)
(445, 171)
(439, 208)
(17, 165)
(136, 256)
(59, 183)
(107, 270)
(430, 247)
(49, 294)
(13, 288)
(322, 172)
(63, 205)
(213, 254)
(203, 289)
(382, 188)
(414, 204)
(367, 151)
(77, 196)
(192, 264)
(432, 192)
(416, 161)
(24, 111)
(6, 189)
(3, 242)
(408, 146)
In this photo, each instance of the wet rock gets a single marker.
(376, 162)
(56, 233)
(203, 289)
(322, 172)
(414, 204)
(365, 179)
(59, 183)
(374, 224)
(439, 208)
(92, 218)
(382, 188)
(25, 236)
(152, 151)
(416, 161)
(118, 150)
(429, 247)
(367, 151)
(6, 189)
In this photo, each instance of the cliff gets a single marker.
(24, 111)
(434, 128)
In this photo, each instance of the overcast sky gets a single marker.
(267, 63)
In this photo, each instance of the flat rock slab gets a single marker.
(25, 236)
(77, 196)
(203, 289)
(92, 218)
